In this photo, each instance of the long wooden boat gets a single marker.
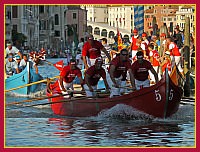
(25, 77)
(160, 100)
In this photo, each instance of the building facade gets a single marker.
(182, 13)
(44, 25)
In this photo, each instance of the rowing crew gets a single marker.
(114, 78)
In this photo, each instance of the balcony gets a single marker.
(43, 32)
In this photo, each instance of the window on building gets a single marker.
(57, 33)
(8, 15)
(41, 9)
(191, 25)
(14, 12)
(155, 11)
(74, 16)
(14, 28)
(52, 25)
(169, 19)
(56, 19)
(90, 18)
(105, 20)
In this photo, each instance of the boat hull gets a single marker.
(161, 100)
(21, 79)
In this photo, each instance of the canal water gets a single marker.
(120, 126)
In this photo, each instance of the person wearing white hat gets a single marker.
(11, 65)
(12, 49)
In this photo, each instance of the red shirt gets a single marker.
(146, 47)
(167, 65)
(175, 50)
(92, 52)
(69, 75)
(154, 54)
(120, 67)
(95, 75)
(140, 71)
(134, 42)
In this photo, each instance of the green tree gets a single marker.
(18, 39)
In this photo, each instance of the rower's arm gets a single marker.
(17, 70)
(112, 69)
(107, 54)
(132, 78)
(61, 84)
(81, 80)
(87, 82)
(36, 69)
(85, 62)
(155, 74)
(106, 84)
(20, 54)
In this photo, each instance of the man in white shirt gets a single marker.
(11, 65)
(13, 50)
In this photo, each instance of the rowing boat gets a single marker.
(25, 77)
(160, 100)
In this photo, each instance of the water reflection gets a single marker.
(112, 132)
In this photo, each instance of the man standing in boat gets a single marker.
(141, 69)
(67, 76)
(117, 73)
(13, 50)
(92, 76)
(92, 49)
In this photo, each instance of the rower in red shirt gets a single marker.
(92, 50)
(92, 76)
(117, 73)
(140, 70)
(67, 76)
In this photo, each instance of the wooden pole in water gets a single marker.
(163, 29)
(154, 26)
(186, 52)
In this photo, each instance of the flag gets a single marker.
(139, 18)
(119, 40)
(59, 65)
